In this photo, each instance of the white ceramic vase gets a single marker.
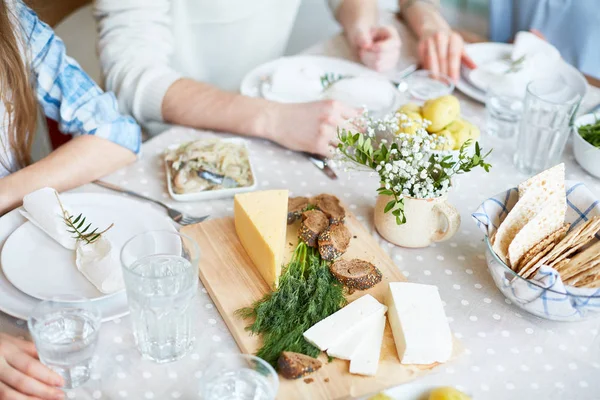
(427, 221)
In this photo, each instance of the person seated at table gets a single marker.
(572, 26)
(36, 72)
(22, 375)
(179, 62)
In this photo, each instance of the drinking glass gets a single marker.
(161, 280)
(239, 377)
(425, 85)
(65, 331)
(544, 129)
(503, 112)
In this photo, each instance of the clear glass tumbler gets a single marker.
(65, 332)
(503, 112)
(160, 269)
(544, 130)
(239, 377)
(425, 85)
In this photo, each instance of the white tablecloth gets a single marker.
(508, 353)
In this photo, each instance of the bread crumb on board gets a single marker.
(309, 380)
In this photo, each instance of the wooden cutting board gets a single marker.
(232, 281)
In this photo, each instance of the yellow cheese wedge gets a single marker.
(261, 223)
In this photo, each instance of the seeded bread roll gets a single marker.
(331, 206)
(334, 241)
(295, 365)
(296, 205)
(356, 274)
(313, 223)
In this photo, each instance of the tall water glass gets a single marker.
(65, 332)
(503, 111)
(544, 129)
(160, 269)
(239, 377)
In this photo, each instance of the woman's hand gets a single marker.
(310, 127)
(443, 52)
(377, 47)
(23, 376)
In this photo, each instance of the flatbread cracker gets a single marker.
(552, 180)
(549, 219)
(538, 251)
(587, 259)
(589, 278)
(573, 241)
(533, 196)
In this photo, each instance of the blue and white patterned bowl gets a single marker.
(564, 303)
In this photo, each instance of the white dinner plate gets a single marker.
(137, 216)
(482, 53)
(255, 80)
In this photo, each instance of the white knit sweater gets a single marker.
(146, 45)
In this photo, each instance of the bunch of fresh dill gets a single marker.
(307, 293)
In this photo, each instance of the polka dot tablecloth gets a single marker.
(508, 354)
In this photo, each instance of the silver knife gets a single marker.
(322, 163)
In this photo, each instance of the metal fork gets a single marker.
(177, 216)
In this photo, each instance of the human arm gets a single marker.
(136, 46)
(440, 49)
(106, 140)
(378, 46)
(79, 161)
(22, 375)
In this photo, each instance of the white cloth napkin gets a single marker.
(42, 208)
(96, 261)
(99, 264)
(292, 82)
(538, 61)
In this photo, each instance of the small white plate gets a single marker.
(482, 53)
(258, 82)
(39, 267)
(252, 82)
(213, 194)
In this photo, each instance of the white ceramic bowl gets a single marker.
(587, 155)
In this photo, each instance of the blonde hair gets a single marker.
(16, 92)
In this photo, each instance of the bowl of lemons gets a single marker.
(443, 114)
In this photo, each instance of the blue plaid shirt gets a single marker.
(66, 93)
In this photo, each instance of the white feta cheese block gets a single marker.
(326, 333)
(346, 347)
(365, 360)
(419, 325)
(43, 210)
(98, 262)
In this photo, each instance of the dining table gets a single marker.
(506, 353)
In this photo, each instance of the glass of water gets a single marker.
(239, 377)
(65, 332)
(503, 111)
(425, 85)
(544, 129)
(160, 269)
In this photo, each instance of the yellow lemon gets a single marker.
(462, 131)
(410, 107)
(441, 112)
(447, 393)
(446, 134)
(380, 396)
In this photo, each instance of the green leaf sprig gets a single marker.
(329, 78)
(307, 293)
(77, 226)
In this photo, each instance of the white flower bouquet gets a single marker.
(410, 162)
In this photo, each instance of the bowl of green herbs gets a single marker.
(586, 143)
